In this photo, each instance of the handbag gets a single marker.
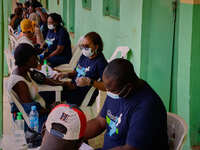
(38, 77)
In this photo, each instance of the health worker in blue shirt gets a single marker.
(58, 41)
(88, 71)
(133, 115)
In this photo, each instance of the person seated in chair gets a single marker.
(89, 69)
(133, 115)
(58, 41)
(65, 128)
(21, 82)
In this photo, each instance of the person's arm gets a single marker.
(53, 82)
(39, 36)
(60, 76)
(25, 95)
(12, 22)
(43, 15)
(86, 81)
(95, 127)
(58, 50)
(125, 147)
(99, 85)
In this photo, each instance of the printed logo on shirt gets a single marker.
(49, 41)
(113, 122)
(82, 71)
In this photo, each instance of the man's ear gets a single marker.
(126, 90)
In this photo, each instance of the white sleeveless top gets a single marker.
(33, 89)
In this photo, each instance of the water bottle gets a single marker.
(19, 135)
(34, 119)
(46, 68)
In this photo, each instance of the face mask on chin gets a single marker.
(51, 27)
(87, 52)
(112, 95)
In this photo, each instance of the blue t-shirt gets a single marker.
(59, 38)
(92, 68)
(139, 121)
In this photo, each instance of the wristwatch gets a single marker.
(91, 82)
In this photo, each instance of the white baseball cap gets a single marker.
(72, 118)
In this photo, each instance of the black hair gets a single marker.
(35, 4)
(18, 11)
(19, 4)
(23, 52)
(122, 71)
(27, 4)
(96, 39)
(56, 18)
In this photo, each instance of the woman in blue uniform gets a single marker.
(58, 41)
(88, 71)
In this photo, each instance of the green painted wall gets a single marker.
(173, 104)
(157, 46)
(53, 6)
(1, 66)
(123, 32)
(7, 4)
(184, 60)
(194, 78)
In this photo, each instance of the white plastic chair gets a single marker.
(10, 60)
(13, 41)
(123, 50)
(10, 30)
(16, 100)
(74, 60)
(84, 106)
(177, 131)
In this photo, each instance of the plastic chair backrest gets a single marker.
(74, 60)
(121, 49)
(177, 131)
(76, 53)
(10, 30)
(10, 60)
(13, 41)
(15, 99)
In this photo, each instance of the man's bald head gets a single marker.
(119, 75)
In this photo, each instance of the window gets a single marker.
(87, 4)
(69, 14)
(111, 8)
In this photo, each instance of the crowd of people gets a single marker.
(133, 115)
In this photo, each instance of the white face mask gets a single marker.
(87, 52)
(51, 27)
(112, 95)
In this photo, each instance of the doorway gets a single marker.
(157, 46)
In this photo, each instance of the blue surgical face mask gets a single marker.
(112, 95)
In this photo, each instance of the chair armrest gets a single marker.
(49, 88)
(64, 68)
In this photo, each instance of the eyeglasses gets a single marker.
(86, 47)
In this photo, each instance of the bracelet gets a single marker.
(91, 82)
